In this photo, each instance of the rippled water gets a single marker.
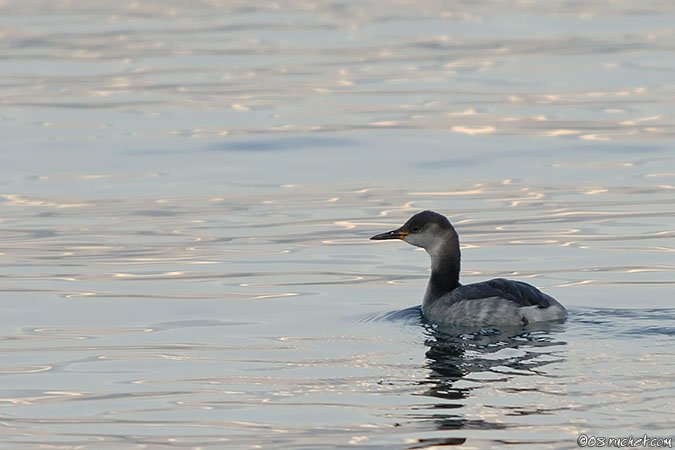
(187, 192)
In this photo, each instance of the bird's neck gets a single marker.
(445, 265)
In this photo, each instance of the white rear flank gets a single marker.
(536, 314)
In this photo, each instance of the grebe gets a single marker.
(497, 302)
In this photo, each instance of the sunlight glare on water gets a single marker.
(188, 190)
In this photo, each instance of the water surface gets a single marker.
(188, 191)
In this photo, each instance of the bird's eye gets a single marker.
(415, 228)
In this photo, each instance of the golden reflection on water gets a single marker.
(18, 200)
(558, 216)
(21, 369)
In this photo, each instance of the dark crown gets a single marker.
(423, 218)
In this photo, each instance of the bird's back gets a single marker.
(520, 293)
(493, 302)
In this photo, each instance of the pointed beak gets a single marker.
(395, 234)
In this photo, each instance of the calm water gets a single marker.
(187, 189)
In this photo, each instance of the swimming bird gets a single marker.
(497, 302)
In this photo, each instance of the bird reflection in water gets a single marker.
(455, 354)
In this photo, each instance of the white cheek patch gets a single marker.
(414, 239)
